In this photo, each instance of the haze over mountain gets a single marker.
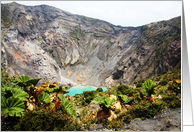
(43, 41)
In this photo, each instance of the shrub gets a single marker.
(135, 82)
(87, 119)
(158, 78)
(164, 72)
(89, 96)
(114, 124)
(175, 88)
(172, 100)
(124, 89)
(41, 120)
(161, 90)
(163, 82)
(99, 90)
(7, 123)
(128, 116)
(141, 81)
(89, 93)
(139, 85)
(145, 109)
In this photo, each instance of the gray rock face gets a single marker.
(43, 41)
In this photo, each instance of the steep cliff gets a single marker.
(43, 41)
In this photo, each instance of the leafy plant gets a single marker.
(144, 92)
(136, 97)
(12, 101)
(22, 95)
(25, 81)
(12, 106)
(124, 98)
(102, 100)
(107, 102)
(44, 97)
(98, 99)
(57, 90)
(67, 105)
(149, 86)
(163, 82)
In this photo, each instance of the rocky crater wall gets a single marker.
(43, 41)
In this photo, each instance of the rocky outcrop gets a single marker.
(43, 41)
(158, 50)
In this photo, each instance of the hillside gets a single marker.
(43, 41)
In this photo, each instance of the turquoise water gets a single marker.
(80, 89)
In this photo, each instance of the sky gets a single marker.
(123, 13)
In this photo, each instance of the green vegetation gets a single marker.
(149, 86)
(146, 109)
(25, 106)
(91, 20)
(124, 89)
(163, 82)
(145, 27)
(31, 26)
(4, 17)
(41, 119)
(76, 35)
(102, 100)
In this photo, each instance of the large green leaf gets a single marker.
(44, 97)
(34, 81)
(57, 90)
(17, 93)
(136, 97)
(68, 106)
(24, 81)
(6, 91)
(62, 97)
(144, 92)
(109, 101)
(98, 99)
(149, 86)
(12, 106)
(125, 98)
(22, 95)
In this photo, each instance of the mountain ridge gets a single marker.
(85, 50)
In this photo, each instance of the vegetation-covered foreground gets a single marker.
(26, 106)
